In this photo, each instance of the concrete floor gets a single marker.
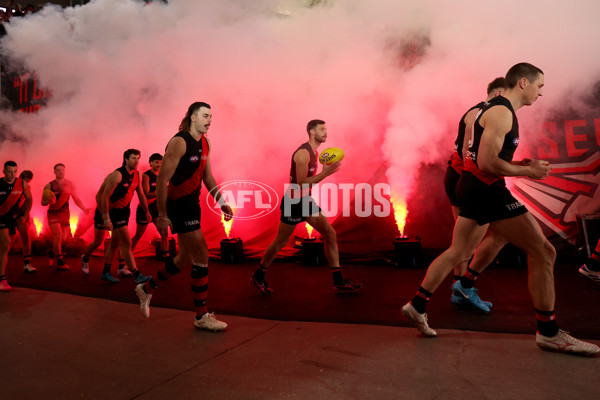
(59, 346)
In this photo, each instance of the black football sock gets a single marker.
(421, 299)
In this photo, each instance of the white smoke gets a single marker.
(389, 77)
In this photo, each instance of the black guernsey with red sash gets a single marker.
(511, 141)
(10, 194)
(123, 193)
(187, 178)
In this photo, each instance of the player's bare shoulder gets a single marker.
(301, 156)
(175, 148)
(497, 117)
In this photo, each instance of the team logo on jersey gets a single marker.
(516, 141)
(194, 158)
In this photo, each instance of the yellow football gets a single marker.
(331, 155)
(48, 197)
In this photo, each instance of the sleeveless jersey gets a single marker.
(456, 160)
(187, 178)
(62, 195)
(511, 141)
(152, 183)
(312, 165)
(10, 193)
(123, 193)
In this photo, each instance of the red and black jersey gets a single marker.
(123, 193)
(10, 194)
(312, 164)
(62, 193)
(152, 184)
(312, 167)
(511, 141)
(187, 178)
(456, 160)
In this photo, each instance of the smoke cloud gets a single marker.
(390, 78)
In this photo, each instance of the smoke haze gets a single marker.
(390, 78)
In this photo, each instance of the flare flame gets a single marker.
(400, 211)
(226, 225)
(73, 224)
(309, 229)
(39, 225)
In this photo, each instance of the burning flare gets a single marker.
(73, 224)
(309, 229)
(226, 225)
(400, 211)
(38, 225)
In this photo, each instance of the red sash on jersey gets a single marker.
(62, 199)
(125, 200)
(485, 177)
(194, 182)
(152, 200)
(13, 197)
(456, 162)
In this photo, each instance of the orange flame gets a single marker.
(400, 211)
(309, 229)
(226, 225)
(73, 224)
(39, 225)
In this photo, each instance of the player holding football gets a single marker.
(297, 206)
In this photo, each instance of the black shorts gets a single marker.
(7, 221)
(294, 212)
(118, 216)
(486, 203)
(140, 214)
(450, 182)
(20, 213)
(184, 214)
(61, 217)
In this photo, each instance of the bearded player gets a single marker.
(298, 206)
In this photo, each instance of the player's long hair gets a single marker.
(184, 126)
